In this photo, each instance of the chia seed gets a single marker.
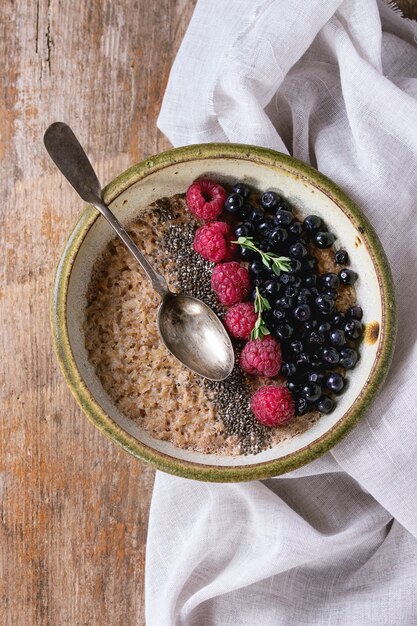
(193, 273)
(231, 397)
(166, 210)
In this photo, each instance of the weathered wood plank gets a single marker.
(74, 507)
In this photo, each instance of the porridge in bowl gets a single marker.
(286, 296)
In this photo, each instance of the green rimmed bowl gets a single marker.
(172, 172)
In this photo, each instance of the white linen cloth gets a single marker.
(334, 84)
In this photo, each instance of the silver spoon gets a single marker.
(188, 327)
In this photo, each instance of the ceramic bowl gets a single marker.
(170, 173)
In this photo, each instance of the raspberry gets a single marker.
(272, 405)
(205, 199)
(213, 242)
(261, 357)
(240, 320)
(230, 282)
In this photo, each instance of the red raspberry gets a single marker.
(261, 357)
(213, 242)
(205, 199)
(230, 282)
(240, 320)
(272, 405)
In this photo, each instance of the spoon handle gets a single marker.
(68, 155)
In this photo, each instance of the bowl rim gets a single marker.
(189, 469)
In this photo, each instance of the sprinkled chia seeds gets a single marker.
(231, 397)
(166, 210)
(193, 273)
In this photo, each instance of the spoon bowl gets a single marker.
(194, 333)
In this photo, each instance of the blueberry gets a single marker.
(315, 338)
(348, 358)
(337, 337)
(283, 331)
(288, 369)
(291, 291)
(272, 288)
(324, 240)
(353, 329)
(295, 229)
(310, 280)
(330, 355)
(246, 210)
(247, 255)
(315, 359)
(311, 392)
(338, 319)
(242, 189)
(278, 235)
(295, 266)
(312, 223)
(341, 257)
(285, 303)
(330, 280)
(296, 281)
(310, 325)
(297, 346)
(355, 312)
(348, 277)
(324, 303)
(335, 382)
(270, 200)
(303, 360)
(304, 295)
(286, 278)
(257, 268)
(315, 376)
(279, 314)
(266, 246)
(283, 218)
(297, 251)
(302, 312)
(243, 230)
(233, 203)
(301, 406)
(324, 327)
(264, 228)
(293, 386)
(332, 293)
(284, 206)
(256, 214)
(325, 404)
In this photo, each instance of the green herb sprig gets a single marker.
(272, 261)
(261, 304)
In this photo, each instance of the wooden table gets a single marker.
(74, 507)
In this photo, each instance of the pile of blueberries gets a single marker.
(317, 341)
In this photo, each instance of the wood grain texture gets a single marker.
(408, 7)
(74, 507)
